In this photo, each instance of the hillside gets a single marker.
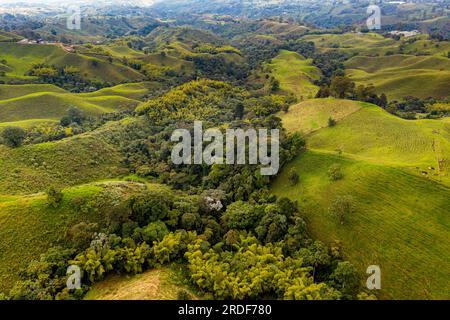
(80, 159)
(20, 58)
(295, 74)
(389, 168)
(402, 75)
(49, 103)
(400, 221)
(26, 220)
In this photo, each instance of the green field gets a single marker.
(43, 102)
(295, 74)
(80, 159)
(311, 115)
(20, 58)
(399, 76)
(353, 43)
(401, 194)
(401, 222)
(373, 135)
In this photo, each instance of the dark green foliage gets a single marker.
(81, 234)
(241, 215)
(54, 196)
(342, 207)
(331, 122)
(149, 207)
(345, 279)
(335, 172)
(13, 136)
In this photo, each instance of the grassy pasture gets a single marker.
(295, 74)
(400, 223)
(80, 159)
(20, 58)
(402, 75)
(311, 115)
(371, 134)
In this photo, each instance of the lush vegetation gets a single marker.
(87, 178)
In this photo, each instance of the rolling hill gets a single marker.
(25, 103)
(20, 58)
(400, 193)
(402, 75)
(295, 74)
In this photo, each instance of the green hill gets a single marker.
(22, 103)
(397, 173)
(371, 134)
(353, 43)
(311, 115)
(80, 159)
(402, 75)
(295, 74)
(20, 58)
(49, 105)
(400, 222)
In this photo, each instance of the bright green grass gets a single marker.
(359, 43)
(21, 57)
(28, 226)
(51, 105)
(68, 162)
(136, 91)
(311, 115)
(403, 75)
(374, 135)
(295, 74)
(26, 124)
(401, 222)
(14, 91)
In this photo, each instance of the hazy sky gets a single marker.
(79, 1)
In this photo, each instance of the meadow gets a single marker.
(295, 73)
(389, 165)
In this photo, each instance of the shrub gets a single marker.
(331, 122)
(342, 206)
(183, 295)
(335, 172)
(13, 136)
(293, 177)
(54, 196)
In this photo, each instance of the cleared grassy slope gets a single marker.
(311, 115)
(156, 284)
(401, 221)
(49, 105)
(21, 57)
(68, 162)
(295, 74)
(374, 135)
(403, 75)
(354, 43)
